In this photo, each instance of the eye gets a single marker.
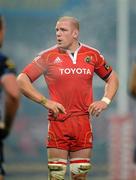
(57, 29)
(63, 29)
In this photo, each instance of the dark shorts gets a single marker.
(73, 134)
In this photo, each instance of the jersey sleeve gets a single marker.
(35, 69)
(7, 66)
(102, 68)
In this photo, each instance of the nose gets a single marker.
(58, 33)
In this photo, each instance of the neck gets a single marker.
(74, 47)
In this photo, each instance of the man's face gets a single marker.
(66, 34)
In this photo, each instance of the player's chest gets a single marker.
(71, 66)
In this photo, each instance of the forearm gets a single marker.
(28, 90)
(10, 110)
(111, 87)
(11, 99)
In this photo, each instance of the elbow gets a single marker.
(114, 80)
(16, 95)
(21, 81)
(13, 96)
(13, 93)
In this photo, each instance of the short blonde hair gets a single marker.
(74, 21)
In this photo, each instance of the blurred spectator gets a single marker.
(11, 96)
(132, 91)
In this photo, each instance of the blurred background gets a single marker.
(30, 28)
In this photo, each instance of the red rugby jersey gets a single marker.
(69, 77)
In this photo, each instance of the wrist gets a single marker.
(43, 101)
(106, 100)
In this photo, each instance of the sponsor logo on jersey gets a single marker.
(74, 71)
(57, 60)
(88, 59)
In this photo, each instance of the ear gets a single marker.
(75, 33)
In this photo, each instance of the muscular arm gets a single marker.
(12, 95)
(110, 90)
(32, 93)
(27, 88)
(111, 86)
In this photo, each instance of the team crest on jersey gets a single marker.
(88, 59)
(107, 67)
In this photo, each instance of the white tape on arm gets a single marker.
(106, 100)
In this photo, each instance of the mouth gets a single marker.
(59, 41)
